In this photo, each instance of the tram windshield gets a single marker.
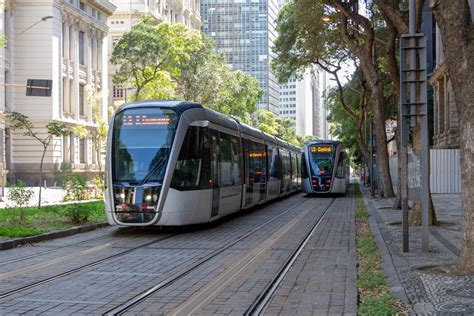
(142, 141)
(321, 159)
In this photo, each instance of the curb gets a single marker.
(13, 243)
(388, 265)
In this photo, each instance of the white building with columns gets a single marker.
(62, 42)
(129, 12)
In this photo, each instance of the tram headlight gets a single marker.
(148, 197)
(122, 195)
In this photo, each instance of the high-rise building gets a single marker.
(59, 48)
(245, 31)
(300, 100)
(130, 12)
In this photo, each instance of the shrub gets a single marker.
(78, 213)
(76, 187)
(96, 188)
(21, 196)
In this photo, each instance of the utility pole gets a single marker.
(414, 110)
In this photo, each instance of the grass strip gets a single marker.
(374, 294)
(48, 218)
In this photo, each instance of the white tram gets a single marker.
(174, 163)
(325, 167)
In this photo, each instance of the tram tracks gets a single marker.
(57, 276)
(267, 294)
(194, 303)
(45, 252)
(71, 271)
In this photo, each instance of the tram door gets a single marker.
(226, 166)
(255, 172)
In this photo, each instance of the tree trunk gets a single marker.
(457, 30)
(381, 141)
(41, 176)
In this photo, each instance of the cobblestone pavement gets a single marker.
(427, 293)
(99, 288)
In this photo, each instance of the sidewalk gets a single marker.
(426, 293)
(48, 196)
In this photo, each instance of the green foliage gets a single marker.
(20, 121)
(371, 279)
(378, 305)
(48, 218)
(367, 245)
(96, 188)
(305, 39)
(78, 213)
(21, 196)
(76, 187)
(147, 53)
(340, 124)
(19, 231)
(3, 41)
(272, 124)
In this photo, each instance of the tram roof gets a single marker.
(323, 141)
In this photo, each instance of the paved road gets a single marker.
(223, 268)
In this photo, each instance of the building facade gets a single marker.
(244, 30)
(300, 101)
(130, 12)
(445, 118)
(60, 45)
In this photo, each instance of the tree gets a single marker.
(457, 29)
(149, 56)
(270, 123)
(347, 105)
(207, 79)
(304, 39)
(20, 121)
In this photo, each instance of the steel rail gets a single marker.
(120, 309)
(41, 253)
(264, 298)
(86, 266)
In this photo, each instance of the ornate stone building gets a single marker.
(61, 44)
(446, 122)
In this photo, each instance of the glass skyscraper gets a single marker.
(245, 31)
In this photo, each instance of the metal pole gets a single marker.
(372, 178)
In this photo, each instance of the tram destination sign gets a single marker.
(133, 120)
(322, 149)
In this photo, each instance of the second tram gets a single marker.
(325, 167)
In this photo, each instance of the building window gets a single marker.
(117, 92)
(82, 6)
(65, 95)
(82, 110)
(81, 48)
(82, 150)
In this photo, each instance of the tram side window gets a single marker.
(229, 160)
(273, 163)
(294, 171)
(193, 170)
(340, 172)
